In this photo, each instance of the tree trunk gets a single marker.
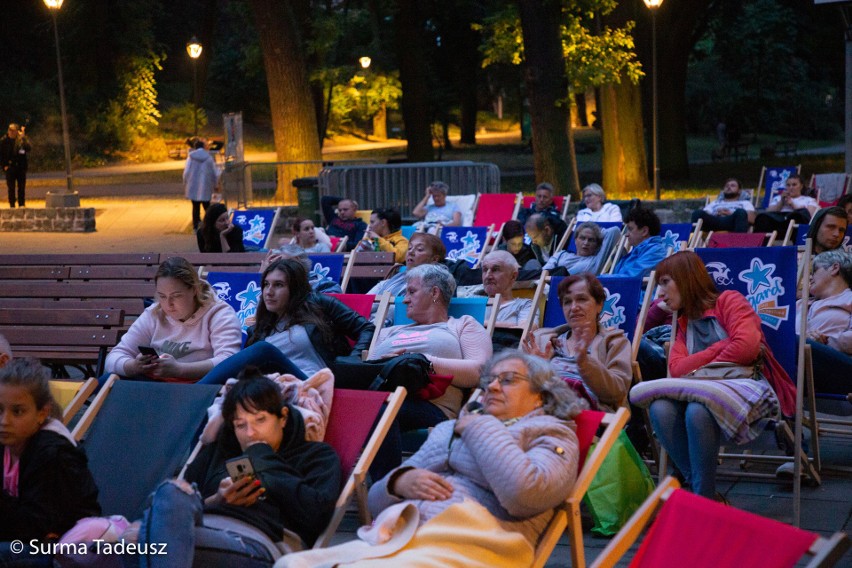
(547, 89)
(416, 112)
(625, 170)
(294, 122)
(380, 123)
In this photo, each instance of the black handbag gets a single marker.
(409, 370)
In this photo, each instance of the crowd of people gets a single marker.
(499, 466)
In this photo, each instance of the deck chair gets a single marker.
(465, 203)
(694, 531)
(767, 278)
(408, 230)
(136, 434)
(678, 236)
(829, 187)
(364, 215)
(466, 243)
(560, 201)
(338, 244)
(772, 182)
(474, 306)
(363, 304)
(257, 225)
(496, 208)
(572, 246)
(567, 516)
(353, 414)
(241, 290)
(72, 395)
(739, 240)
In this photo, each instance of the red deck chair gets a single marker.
(700, 533)
(353, 414)
(736, 240)
(496, 208)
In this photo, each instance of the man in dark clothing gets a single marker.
(14, 148)
(344, 223)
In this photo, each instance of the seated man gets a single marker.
(827, 229)
(385, 234)
(499, 274)
(344, 223)
(730, 212)
(789, 205)
(441, 211)
(593, 248)
(545, 234)
(543, 205)
(643, 234)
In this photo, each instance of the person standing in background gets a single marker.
(199, 179)
(14, 148)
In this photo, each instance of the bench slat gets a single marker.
(130, 306)
(46, 272)
(75, 289)
(81, 259)
(65, 336)
(106, 272)
(76, 317)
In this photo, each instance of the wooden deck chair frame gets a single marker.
(341, 244)
(567, 516)
(825, 551)
(801, 462)
(519, 197)
(347, 270)
(812, 185)
(758, 191)
(356, 483)
(566, 236)
(538, 300)
(615, 255)
(84, 391)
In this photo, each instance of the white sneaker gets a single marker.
(786, 470)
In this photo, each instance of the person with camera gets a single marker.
(14, 149)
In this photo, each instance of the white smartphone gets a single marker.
(240, 467)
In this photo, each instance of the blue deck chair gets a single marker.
(408, 230)
(465, 243)
(772, 182)
(675, 235)
(136, 434)
(241, 290)
(257, 226)
(572, 246)
(621, 307)
(767, 277)
(475, 307)
(329, 265)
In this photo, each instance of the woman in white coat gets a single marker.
(199, 179)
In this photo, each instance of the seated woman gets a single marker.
(496, 475)
(423, 248)
(297, 331)
(305, 236)
(189, 327)
(47, 486)
(789, 205)
(593, 248)
(597, 208)
(455, 346)
(217, 233)
(595, 362)
(690, 414)
(830, 322)
(222, 521)
(440, 211)
(320, 282)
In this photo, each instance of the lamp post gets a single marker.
(193, 48)
(653, 5)
(69, 198)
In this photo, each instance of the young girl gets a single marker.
(47, 486)
(306, 236)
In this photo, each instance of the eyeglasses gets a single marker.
(506, 379)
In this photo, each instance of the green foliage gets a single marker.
(180, 119)
(133, 112)
(591, 58)
(362, 96)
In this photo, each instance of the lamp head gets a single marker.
(53, 4)
(193, 48)
(365, 62)
(653, 4)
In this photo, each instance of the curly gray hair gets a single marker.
(434, 275)
(558, 399)
(840, 257)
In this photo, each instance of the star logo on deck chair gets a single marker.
(470, 240)
(758, 275)
(612, 315)
(670, 240)
(319, 272)
(256, 231)
(249, 296)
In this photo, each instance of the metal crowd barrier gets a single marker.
(403, 185)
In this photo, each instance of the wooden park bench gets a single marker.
(177, 149)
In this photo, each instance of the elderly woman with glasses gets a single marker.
(495, 474)
(597, 208)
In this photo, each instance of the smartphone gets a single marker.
(148, 351)
(239, 468)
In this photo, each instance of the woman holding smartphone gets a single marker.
(282, 507)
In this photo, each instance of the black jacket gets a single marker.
(344, 322)
(55, 490)
(234, 238)
(12, 159)
(302, 481)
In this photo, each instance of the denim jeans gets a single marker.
(832, 369)
(736, 222)
(691, 436)
(174, 519)
(413, 415)
(23, 559)
(265, 356)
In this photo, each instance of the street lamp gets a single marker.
(69, 198)
(193, 48)
(365, 62)
(653, 5)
